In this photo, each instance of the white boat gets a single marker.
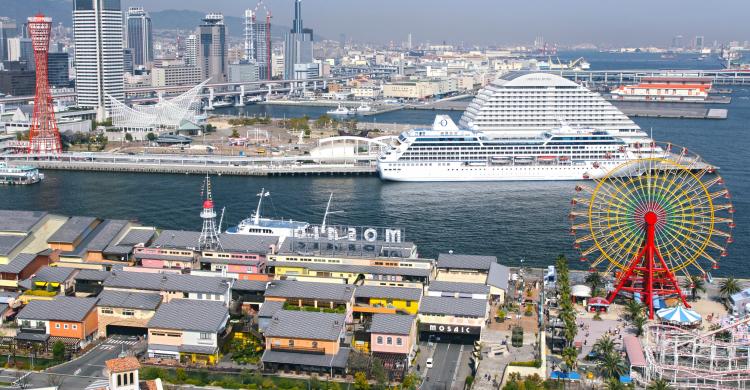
(340, 110)
(364, 107)
(222, 103)
(447, 153)
(259, 226)
(19, 175)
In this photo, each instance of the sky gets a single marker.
(489, 22)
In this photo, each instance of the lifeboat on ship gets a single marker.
(546, 159)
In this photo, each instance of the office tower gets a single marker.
(212, 48)
(128, 60)
(258, 40)
(27, 51)
(140, 38)
(298, 43)
(13, 49)
(191, 50)
(97, 29)
(8, 29)
(698, 44)
(677, 42)
(408, 42)
(57, 67)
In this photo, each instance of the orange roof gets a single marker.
(128, 363)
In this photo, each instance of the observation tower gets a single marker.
(44, 135)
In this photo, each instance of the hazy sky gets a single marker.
(622, 23)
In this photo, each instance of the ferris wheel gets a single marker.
(652, 217)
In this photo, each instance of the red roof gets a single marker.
(634, 350)
(598, 301)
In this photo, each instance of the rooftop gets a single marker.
(180, 239)
(73, 229)
(307, 359)
(18, 263)
(92, 274)
(60, 309)
(9, 242)
(135, 236)
(123, 364)
(454, 306)
(459, 287)
(175, 315)
(356, 249)
(405, 293)
(306, 325)
(19, 221)
(473, 262)
(365, 269)
(166, 282)
(129, 300)
(269, 308)
(311, 290)
(249, 285)
(391, 323)
(499, 276)
(53, 274)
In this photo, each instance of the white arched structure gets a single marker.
(164, 114)
(347, 146)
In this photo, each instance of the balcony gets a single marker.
(293, 349)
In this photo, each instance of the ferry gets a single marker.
(364, 107)
(340, 110)
(260, 226)
(447, 153)
(19, 175)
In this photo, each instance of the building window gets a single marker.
(389, 340)
(399, 341)
(128, 312)
(57, 326)
(65, 326)
(205, 336)
(315, 344)
(131, 378)
(291, 343)
(107, 310)
(119, 379)
(380, 340)
(74, 326)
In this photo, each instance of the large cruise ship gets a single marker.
(524, 126)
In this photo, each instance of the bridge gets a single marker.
(616, 77)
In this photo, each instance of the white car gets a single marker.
(429, 363)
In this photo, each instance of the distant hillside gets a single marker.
(188, 20)
(20, 10)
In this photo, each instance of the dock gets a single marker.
(659, 110)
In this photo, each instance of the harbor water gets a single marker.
(513, 220)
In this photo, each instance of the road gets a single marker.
(446, 361)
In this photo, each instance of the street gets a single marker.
(449, 360)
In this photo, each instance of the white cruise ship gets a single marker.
(521, 103)
(447, 153)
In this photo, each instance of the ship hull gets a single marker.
(461, 172)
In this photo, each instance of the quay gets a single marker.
(215, 165)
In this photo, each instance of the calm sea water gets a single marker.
(512, 220)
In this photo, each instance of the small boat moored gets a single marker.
(19, 175)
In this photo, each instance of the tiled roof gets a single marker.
(72, 229)
(388, 292)
(391, 323)
(459, 287)
(60, 309)
(9, 242)
(473, 262)
(18, 263)
(306, 324)
(230, 242)
(93, 274)
(129, 300)
(191, 315)
(167, 282)
(135, 236)
(269, 308)
(19, 221)
(338, 360)
(311, 290)
(499, 276)
(365, 269)
(454, 306)
(249, 285)
(53, 274)
(123, 364)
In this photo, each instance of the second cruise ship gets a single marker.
(525, 126)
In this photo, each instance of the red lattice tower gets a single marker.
(44, 136)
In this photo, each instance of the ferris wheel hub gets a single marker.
(651, 218)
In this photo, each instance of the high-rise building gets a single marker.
(258, 41)
(97, 26)
(213, 58)
(57, 68)
(140, 38)
(408, 42)
(13, 49)
(698, 43)
(128, 61)
(191, 50)
(244, 72)
(27, 51)
(677, 42)
(298, 44)
(8, 29)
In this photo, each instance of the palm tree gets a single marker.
(639, 322)
(729, 287)
(570, 357)
(634, 309)
(604, 346)
(595, 280)
(614, 384)
(612, 366)
(658, 384)
(695, 284)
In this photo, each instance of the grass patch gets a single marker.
(243, 380)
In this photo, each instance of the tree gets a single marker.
(729, 287)
(612, 366)
(634, 309)
(410, 382)
(128, 137)
(235, 133)
(58, 351)
(640, 323)
(604, 346)
(151, 137)
(695, 284)
(658, 384)
(378, 372)
(570, 357)
(614, 384)
(360, 381)
(595, 280)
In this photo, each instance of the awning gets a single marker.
(634, 350)
(679, 315)
(305, 359)
(35, 337)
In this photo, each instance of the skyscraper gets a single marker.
(97, 26)
(212, 48)
(698, 43)
(191, 50)
(258, 41)
(298, 44)
(140, 38)
(8, 29)
(57, 65)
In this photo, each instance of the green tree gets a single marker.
(612, 366)
(151, 136)
(360, 381)
(378, 372)
(729, 287)
(639, 323)
(410, 382)
(323, 121)
(614, 384)
(58, 351)
(634, 309)
(659, 384)
(604, 346)
(595, 281)
(235, 133)
(570, 358)
(128, 137)
(695, 284)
